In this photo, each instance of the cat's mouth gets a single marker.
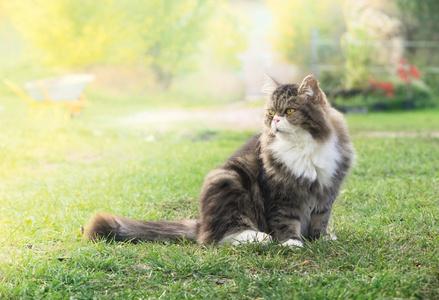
(283, 130)
(278, 128)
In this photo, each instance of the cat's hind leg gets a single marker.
(230, 210)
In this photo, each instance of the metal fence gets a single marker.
(319, 45)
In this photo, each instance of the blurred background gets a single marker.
(367, 54)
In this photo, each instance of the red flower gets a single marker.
(415, 72)
(386, 86)
(403, 75)
(405, 70)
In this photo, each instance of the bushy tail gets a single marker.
(105, 226)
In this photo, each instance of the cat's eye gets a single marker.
(290, 111)
(271, 112)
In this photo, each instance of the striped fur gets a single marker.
(280, 185)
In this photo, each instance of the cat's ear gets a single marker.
(270, 85)
(310, 88)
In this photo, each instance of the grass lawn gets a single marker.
(56, 174)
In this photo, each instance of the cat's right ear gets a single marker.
(270, 85)
(310, 88)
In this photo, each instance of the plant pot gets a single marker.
(351, 109)
(379, 106)
(408, 104)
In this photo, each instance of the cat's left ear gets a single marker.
(310, 88)
(270, 85)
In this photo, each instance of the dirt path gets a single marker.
(236, 116)
(399, 134)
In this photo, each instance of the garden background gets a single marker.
(176, 91)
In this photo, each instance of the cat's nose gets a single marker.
(276, 120)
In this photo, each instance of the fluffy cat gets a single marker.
(280, 185)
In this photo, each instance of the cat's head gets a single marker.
(293, 109)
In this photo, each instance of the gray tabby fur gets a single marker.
(280, 185)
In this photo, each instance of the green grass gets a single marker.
(56, 174)
(409, 121)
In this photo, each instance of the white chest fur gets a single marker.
(306, 157)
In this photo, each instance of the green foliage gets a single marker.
(69, 33)
(422, 97)
(359, 58)
(293, 22)
(420, 18)
(421, 24)
(371, 39)
(226, 37)
(165, 36)
(168, 32)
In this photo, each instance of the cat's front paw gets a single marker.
(292, 243)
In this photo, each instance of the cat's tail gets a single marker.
(109, 227)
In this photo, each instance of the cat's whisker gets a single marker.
(293, 134)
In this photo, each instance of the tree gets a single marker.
(294, 21)
(226, 37)
(69, 33)
(168, 33)
(421, 18)
(165, 35)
